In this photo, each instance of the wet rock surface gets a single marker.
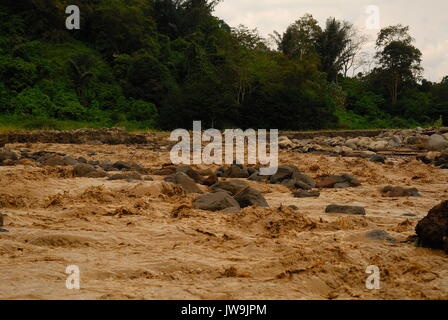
(379, 235)
(216, 201)
(187, 183)
(356, 210)
(306, 194)
(338, 181)
(432, 231)
(395, 192)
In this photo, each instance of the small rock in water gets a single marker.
(378, 158)
(409, 215)
(88, 171)
(211, 180)
(394, 192)
(236, 171)
(131, 175)
(165, 171)
(346, 209)
(306, 194)
(256, 177)
(379, 235)
(193, 174)
(339, 182)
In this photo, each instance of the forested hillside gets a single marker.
(164, 63)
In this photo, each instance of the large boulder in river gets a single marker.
(187, 183)
(217, 201)
(437, 143)
(251, 197)
(233, 187)
(432, 230)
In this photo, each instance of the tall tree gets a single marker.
(300, 38)
(336, 47)
(398, 58)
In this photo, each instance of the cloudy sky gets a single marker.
(427, 19)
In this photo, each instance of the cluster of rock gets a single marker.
(81, 166)
(111, 136)
(230, 196)
(225, 195)
(439, 159)
(368, 146)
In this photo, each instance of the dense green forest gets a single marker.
(164, 63)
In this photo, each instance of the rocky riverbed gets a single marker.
(139, 227)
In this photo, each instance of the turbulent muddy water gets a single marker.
(142, 240)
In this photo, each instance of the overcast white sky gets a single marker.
(427, 19)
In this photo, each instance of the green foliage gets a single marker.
(164, 63)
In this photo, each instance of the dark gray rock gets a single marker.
(83, 170)
(303, 179)
(193, 174)
(396, 192)
(379, 235)
(432, 230)
(187, 183)
(306, 194)
(251, 197)
(257, 178)
(7, 155)
(377, 158)
(70, 161)
(88, 171)
(409, 215)
(122, 165)
(346, 209)
(82, 160)
(220, 172)
(338, 181)
(129, 176)
(291, 177)
(233, 187)
(283, 173)
(342, 185)
(216, 201)
(236, 171)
